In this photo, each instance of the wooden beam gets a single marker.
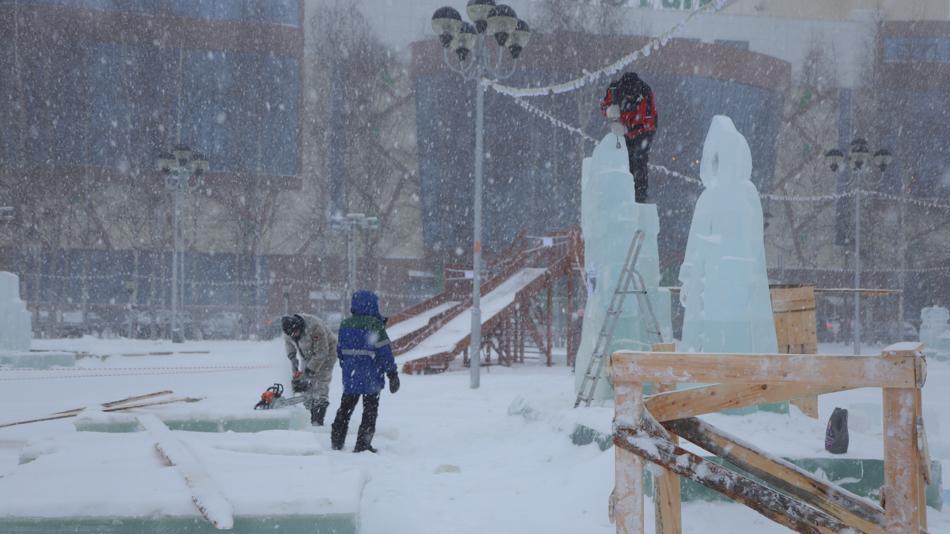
(901, 463)
(667, 500)
(204, 493)
(780, 508)
(628, 467)
(923, 458)
(784, 476)
(717, 397)
(889, 370)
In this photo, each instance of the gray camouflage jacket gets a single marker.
(317, 345)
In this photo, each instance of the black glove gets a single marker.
(393, 382)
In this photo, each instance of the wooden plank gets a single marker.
(667, 500)
(795, 330)
(628, 467)
(204, 493)
(790, 299)
(865, 291)
(784, 476)
(923, 458)
(898, 370)
(901, 463)
(112, 406)
(718, 397)
(780, 508)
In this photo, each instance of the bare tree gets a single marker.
(361, 111)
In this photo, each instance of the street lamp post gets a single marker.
(477, 62)
(860, 160)
(348, 225)
(184, 172)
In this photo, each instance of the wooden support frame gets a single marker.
(807, 504)
(889, 370)
(666, 406)
(786, 477)
(667, 501)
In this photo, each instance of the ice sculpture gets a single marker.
(724, 282)
(609, 219)
(15, 321)
(935, 331)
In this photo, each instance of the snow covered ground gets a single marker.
(452, 460)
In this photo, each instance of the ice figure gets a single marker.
(609, 219)
(725, 286)
(935, 331)
(15, 322)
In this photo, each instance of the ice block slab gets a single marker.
(36, 359)
(201, 421)
(91, 482)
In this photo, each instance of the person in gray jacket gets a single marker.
(311, 348)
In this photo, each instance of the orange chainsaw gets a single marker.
(273, 397)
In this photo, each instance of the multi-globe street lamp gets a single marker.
(478, 60)
(184, 172)
(860, 162)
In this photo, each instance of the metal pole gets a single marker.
(351, 259)
(181, 259)
(857, 269)
(901, 275)
(476, 336)
(174, 289)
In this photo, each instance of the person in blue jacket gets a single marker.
(366, 358)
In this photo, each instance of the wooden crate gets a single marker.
(795, 328)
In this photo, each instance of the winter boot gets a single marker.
(360, 447)
(318, 413)
(836, 435)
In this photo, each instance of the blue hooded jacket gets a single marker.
(363, 350)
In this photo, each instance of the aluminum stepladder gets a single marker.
(629, 276)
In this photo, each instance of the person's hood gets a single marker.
(366, 303)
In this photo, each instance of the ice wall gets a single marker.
(15, 321)
(724, 282)
(609, 218)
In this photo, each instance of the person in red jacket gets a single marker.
(636, 112)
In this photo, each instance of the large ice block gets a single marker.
(15, 321)
(609, 219)
(92, 483)
(725, 286)
(935, 331)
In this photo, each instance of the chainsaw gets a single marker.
(273, 397)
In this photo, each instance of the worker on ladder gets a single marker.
(630, 101)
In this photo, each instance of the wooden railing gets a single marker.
(647, 428)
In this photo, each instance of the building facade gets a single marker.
(92, 91)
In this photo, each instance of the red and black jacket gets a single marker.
(637, 107)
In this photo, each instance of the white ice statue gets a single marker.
(609, 219)
(724, 281)
(15, 321)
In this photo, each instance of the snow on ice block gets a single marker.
(93, 483)
(36, 359)
(200, 420)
